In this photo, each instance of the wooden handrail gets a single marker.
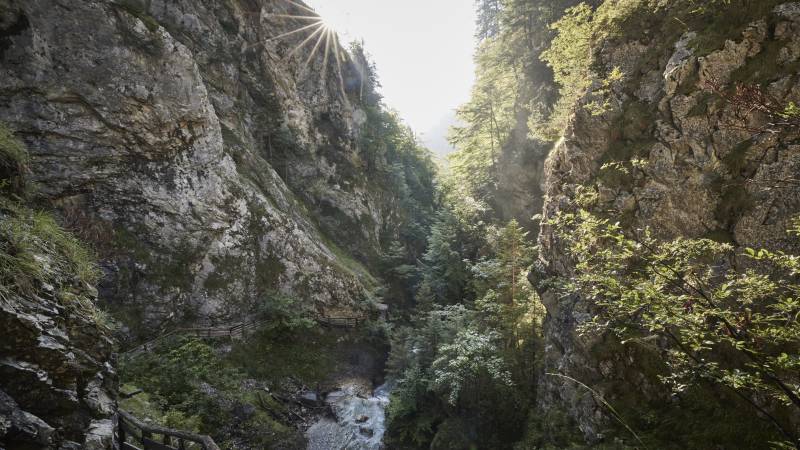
(345, 322)
(126, 424)
(235, 331)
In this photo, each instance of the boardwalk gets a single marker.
(238, 331)
(132, 434)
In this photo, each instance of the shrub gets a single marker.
(571, 57)
(733, 325)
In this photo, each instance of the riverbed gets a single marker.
(359, 421)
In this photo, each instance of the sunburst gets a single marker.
(321, 33)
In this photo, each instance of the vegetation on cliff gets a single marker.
(637, 290)
(713, 339)
(51, 324)
(36, 254)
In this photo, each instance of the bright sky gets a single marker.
(422, 48)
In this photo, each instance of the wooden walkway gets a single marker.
(238, 331)
(340, 322)
(132, 434)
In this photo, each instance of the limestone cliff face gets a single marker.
(204, 159)
(701, 175)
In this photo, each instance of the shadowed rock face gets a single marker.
(700, 178)
(204, 165)
(57, 387)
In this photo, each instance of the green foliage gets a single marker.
(720, 20)
(36, 250)
(274, 354)
(190, 386)
(465, 366)
(36, 254)
(285, 313)
(571, 57)
(731, 325)
(791, 111)
(12, 151)
(13, 161)
(397, 164)
(488, 18)
(444, 270)
(472, 358)
(145, 406)
(510, 86)
(489, 117)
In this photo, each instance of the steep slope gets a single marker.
(682, 158)
(57, 387)
(197, 152)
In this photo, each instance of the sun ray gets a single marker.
(289, 16)
(339, 66)
(314, 50)
(323, 32)
(316, 24)
(305, 41)
(325, 60)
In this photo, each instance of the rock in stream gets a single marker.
(359, 422)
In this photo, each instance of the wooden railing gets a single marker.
(236, 332)
(130, 433)
(340, 322)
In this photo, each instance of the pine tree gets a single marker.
(488, 21)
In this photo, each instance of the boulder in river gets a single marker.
(309, 398)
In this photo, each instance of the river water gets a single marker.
(359, 424)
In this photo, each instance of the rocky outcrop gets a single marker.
(208, 162)
(700, 171)
(57, 384)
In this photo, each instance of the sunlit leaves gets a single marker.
(472, 357)
(736, 326)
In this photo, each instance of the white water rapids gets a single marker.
(359, 425)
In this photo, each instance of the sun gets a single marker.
(327, 25)
(320, 32)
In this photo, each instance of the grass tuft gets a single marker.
(12, 151)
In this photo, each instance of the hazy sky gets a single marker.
(422, 48)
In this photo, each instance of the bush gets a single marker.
(571, 56)
(732, 325)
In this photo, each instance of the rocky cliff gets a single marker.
(207, 161)
(57, 382)
(702, 167)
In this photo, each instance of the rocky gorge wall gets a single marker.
(702, 173)
(206, 162)
(57, 383)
